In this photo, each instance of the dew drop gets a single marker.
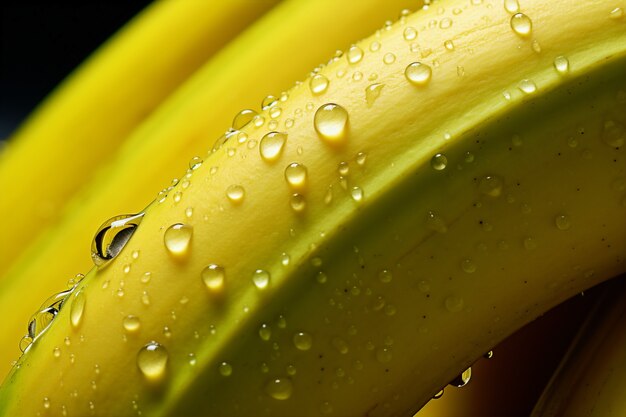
(439, 162)
(152, 361)
(436, 223)
(527, 86)
(302, 341)
(225, 369)
(357, 194)
(468, 266)
(177, 238)
(372, 92)
(131, 323)
(521, 24)
(195, 163)
(77, 309)
(340, 345)
(261, 279)
(213, 277)
(265, 332)
(318, 84)
(25, 343)
(279, 388)
(354, 55)
(361, 158)
(449, 45)
(613, 134)
(438, 395)
(56, 352)
(296, 176)
(389, 58)
(463, 379)
(271, 146)
(384, 355)
(488, 355)
(511, 6)
(46, 403)
(616, 13)
(529, 243)
(409, 33)
(418, 74)
(491, 185)
(331, 123)
(112, 236)
(562, 222)
(385, 276)
(242, 118)
(297, 202)
(268, 102)
(235, 193)
(454, 304)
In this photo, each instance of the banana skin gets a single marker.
(479, 188)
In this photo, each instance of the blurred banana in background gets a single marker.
(355, 244)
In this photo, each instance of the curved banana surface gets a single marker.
(82, 124)
(400, 220)
(183, 126)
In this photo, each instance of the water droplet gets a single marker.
(265, 332)
(77, 308)
(354, 55)
(488, 355)
(521, 24)
(436, 223)
(296, 176)
(616, 13)
(275, 113)
(46, 403)
(372, 92)
(418, 74)
(279, 388)
(613, 134)
(242, 118)
(357, 194)
(25, 343)
(302, 341)
(177, 238)
(321, 277)
(112, 236)
(340, 345)
(318, 84)
(297, 202)
(213, 277)
(331, 123)
(389, 58)
(271, 146)
(56, 352)
(195, 163)
(268, 102)
(409, 33)
(454, 304)
(225, 369)
(385, 276)
(439, 162)
(511, 6)
(468, 266)
(536, 46)
(530, 243)
(384, 355)
(462, 379)
(445, 23)
(449, 45)
(438, 395)
(491, 185)
(235, 193)
(562, 222)
(527, 86)
(261, 279)
(152, 361)
(131, 323)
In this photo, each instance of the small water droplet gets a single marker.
(296, 176)
(418, 74)
(372, 92)
(527, 86)
(112, 236)
(261, 279)
(78, 307)
(235, 193)
(449, 45)
(331, 123)
(562, 222)
(321, 277)
(297, 202)
(271, 146)
(279, 388)
(340, 345)
(454, 304)
(389, 58)
(152, 361)
(511, 6)
(463, 379)
(613, 134)
(409, 33)
(56, 352)
(177, 238)
(616, 13)
(242, 118)
(318, 84)
(491, 185)
(275, 113)
(439, 162)
(131, 323)
(536, 46)
(521, 24)
(530, 243)
(25, 343)
(436, 223)
(354, 55)
(225, 369)
(385, 276)
(488, 355)
(357, 194)
(195, 163)
(46, 403)
(438, 395)
(213, 277)
(384, 355)
(265, 332)
(468, 266)
(268, 102)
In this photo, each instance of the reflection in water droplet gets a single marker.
(389, 58)
(112, 236)
(521, 24)
(271, 146)
(331, 123)
(302, 341)
(318, 84)
(616, 13)
(77, 308)
(439, 162)
(177, 238)
(261, 279)
(268, 102)
(131, 323)
(296, 176)
(418, 74)
(384, 355)
(462, 379)
(152, 361)
(385, 276)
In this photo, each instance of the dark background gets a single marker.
(42, 42)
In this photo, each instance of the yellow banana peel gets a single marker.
(419, 198)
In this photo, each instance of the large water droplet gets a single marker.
(177, 238)
(279, 388)
(112, 236)
(152, 361)
(521, 24)
(243, 118)
(439, 162)
(296, 176)
(331, 123)
(77, 308)
(318, 84)
(261, 279)
(235, 193)
(418, 74)
(271, 146)
(213, 277)
(302, 341)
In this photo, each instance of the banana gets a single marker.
(83, 123)
(178, 130)
(589, 379)
(424, 195)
